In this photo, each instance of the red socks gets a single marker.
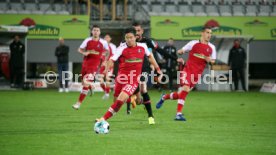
(105, 88)
(172, 96)
(181, 99)
(113, 109)
(83, 94)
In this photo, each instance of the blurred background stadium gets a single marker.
(42, 121)
(251, 21)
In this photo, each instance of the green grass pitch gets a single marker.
(42, 122)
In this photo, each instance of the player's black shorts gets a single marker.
(137, 90)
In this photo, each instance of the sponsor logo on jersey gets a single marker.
(134, 60)
(93, 52)
(199, 55)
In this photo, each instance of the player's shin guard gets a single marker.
(113, 109)
(83, 94)
(147, 103)
(181, 101)
(172, 96)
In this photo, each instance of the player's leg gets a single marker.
(107, 83)
(87, 79)
(127, 90)
(128, 102)
(180, 103)
(147, 102)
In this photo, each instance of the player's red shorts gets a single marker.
(127, 88)
(85, 71)
(109, 72)
(189, 77)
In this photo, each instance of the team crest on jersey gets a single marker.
(139, 50)
(207, 49)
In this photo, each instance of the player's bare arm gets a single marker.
(82, 51)
(154, 63)
(109, 65)
(210, 60)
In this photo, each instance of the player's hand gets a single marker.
(104, 63)
(85, 53)
(180, 51)
(208, 59)
(180, 60)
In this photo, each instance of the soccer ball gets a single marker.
(101, 127)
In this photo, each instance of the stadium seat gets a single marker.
(225, 10)
(16, 6)
(24, 12)
(63, 12)
(11, 11)
(212, 10)
(44, 7)
(251, 10)
(185, 10)
(145, 6)
(3, 7)
(50, 12)
(170, 7)
(37, 12)
(30, 6)
(238, 10)
(156, 8)
(274, 11)
(198, 10)
(264, 10)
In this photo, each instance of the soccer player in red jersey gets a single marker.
(201, 52)
(106, 76)
(92, 49)
(130, 56)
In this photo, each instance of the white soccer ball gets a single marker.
(101, 127)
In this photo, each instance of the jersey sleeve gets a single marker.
(214, 52)
(151, 44)
(106, 46)
(113, 48)
(188, 46)
(117, 53)
(84, 43)
(147, 51)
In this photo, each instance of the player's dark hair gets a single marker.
(136, 24)
(206, 27)
(130, 30)
(95, 26)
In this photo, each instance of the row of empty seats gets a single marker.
(204, 2)
(34, 8)
(209, 9)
